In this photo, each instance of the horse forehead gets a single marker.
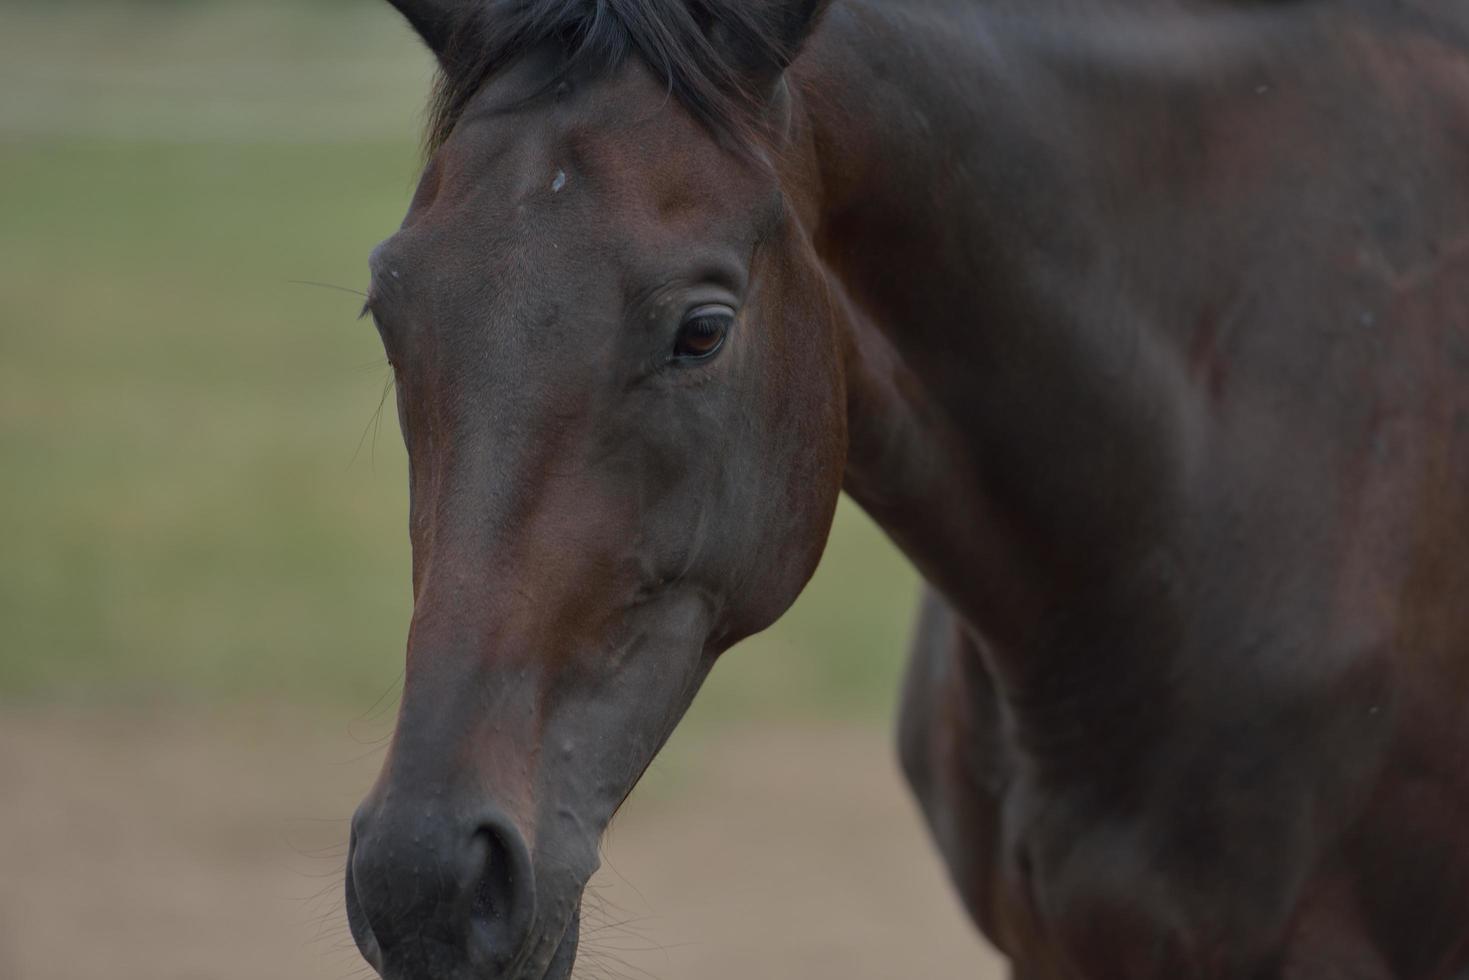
(658, 167)
(663, 171)
(614, 166)
(639, 149)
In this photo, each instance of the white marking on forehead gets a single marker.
(559, 182)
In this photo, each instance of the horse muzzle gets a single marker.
(436, 898)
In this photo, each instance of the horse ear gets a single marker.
(434, 20)
(762, 42)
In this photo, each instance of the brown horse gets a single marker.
(1142, 326)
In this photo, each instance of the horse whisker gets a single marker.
(328, 285)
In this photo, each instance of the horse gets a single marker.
(1140, 326)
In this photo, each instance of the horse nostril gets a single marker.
(502, 896)
(492, 891)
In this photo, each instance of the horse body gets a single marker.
(1141, 328)
(1197, 709)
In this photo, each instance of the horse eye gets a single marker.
(703, 332)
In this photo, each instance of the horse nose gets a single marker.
(430, 898)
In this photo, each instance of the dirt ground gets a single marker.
(188, 847)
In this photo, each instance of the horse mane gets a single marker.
(700, 48)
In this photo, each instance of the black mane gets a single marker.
(702, 49)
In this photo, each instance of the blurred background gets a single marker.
(204, 564)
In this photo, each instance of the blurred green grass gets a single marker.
(195, 502)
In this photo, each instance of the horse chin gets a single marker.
(565, 957)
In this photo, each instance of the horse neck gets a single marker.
(1017, 424)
